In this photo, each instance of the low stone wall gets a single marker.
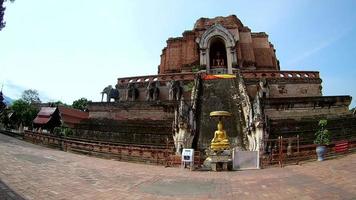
(136, 153)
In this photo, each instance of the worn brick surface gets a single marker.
(34, 172)
(254, 48)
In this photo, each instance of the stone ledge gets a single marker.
(309, 101)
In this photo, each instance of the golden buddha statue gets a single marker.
(220, 140)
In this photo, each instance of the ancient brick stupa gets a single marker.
(218, 65)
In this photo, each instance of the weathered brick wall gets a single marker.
(289, 117)
(131, 111)
(163, 63)
(190, 53)
(287, 87)
(264, 52)
(298, 113)
(230, 22)
(139, 132)
(253, 50)
(147, 123)
(180, 54)
(295, 90)
(307, 107)
(247, 58)
(142, 123)
(174, 52)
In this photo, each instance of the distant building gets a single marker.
(50, 117)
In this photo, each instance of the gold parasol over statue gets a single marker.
(220, 114)
(220, 141)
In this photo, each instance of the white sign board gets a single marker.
(188, 155)
(245, 159)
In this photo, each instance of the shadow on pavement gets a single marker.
(6, 193)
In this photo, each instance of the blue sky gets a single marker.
(71, 49)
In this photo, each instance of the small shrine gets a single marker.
(219, 154)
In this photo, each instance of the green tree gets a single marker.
(3, 114)
(2, 12)
(2, 104)
(24, 112)
(31, 96)
(4, 118)
(81, 104)
(58, 103)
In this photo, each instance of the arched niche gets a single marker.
(217, 54)
(213, 38)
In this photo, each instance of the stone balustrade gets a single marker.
(280, 74)
(161, 78)
(246, 74)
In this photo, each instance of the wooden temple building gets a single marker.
(50, 117)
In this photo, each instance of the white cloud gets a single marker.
(323, 44)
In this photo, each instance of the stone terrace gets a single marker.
(33, 172)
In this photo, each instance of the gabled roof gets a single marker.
(41, 120)
(67, 115)
(71, 115)
(65, 111)
(47, 111)
(45, 115)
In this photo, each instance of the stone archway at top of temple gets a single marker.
(217, 56)
(215, 37)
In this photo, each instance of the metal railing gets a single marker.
(292, 150)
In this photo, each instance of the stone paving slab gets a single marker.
(30, 171)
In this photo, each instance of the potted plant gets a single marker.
(322, 138)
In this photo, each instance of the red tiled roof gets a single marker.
(71, 115)
(44, 115)
(42, 119)
(73, 112)
(46, 111)
(68, 115)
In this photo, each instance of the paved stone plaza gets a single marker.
(29, 171)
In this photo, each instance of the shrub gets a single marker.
(322, 135)
(62, 131)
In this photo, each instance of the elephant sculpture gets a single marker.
(152, 92)
(175, 90)
(111, 93)
(132, 92)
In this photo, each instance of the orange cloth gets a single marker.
(218, 76)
